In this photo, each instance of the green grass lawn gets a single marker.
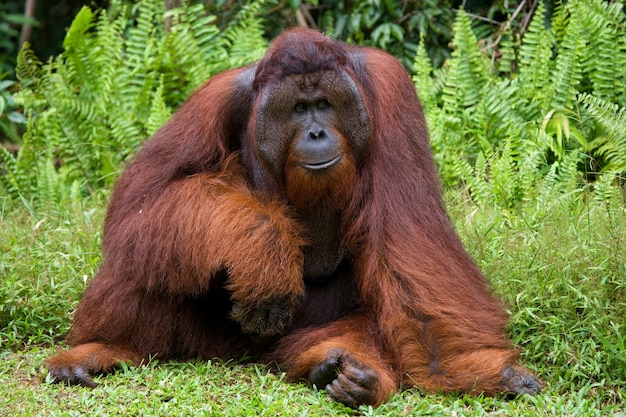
(216, 389)
(559, 263)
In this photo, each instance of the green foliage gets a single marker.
(534, 128)
(610, 142)
(44, 265)
(390, 25)
(398, 26)
(558, 263)
(10, 22)
(116, 82)
(10, 118)
(548, 114)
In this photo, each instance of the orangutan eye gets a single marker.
(300, 107)
(322, 104)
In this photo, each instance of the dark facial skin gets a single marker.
(312, 120)
(318, 147)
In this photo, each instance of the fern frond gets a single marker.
(9, 174)
(18, 173)
(422, 77)
(535, 61)
(472, 67)
(531, 160)
(563, 176)
(567, 72)
(141, 45)
(159, 112)
(47, 182)
(507, 51)
(28, 69)
(107, 56)
(606, 190)
(79, 45)
(113, 85)
(135, 79)
(245, 35)
(612, 118)
(605, 57)
(531, 45)
(186, 43)
(500, 111)
(504, 177)
(474, 178)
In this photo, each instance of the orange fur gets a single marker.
(218, 241)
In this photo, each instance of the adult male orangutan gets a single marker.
(291, 210)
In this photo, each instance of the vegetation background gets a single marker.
(525, 103)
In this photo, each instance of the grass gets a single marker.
(559, 262)
(215, 389)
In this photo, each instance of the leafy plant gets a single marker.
(550, 112)
(10, 118)
(115, 83)
(390, 25)
(10, 21)
(533, 128)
